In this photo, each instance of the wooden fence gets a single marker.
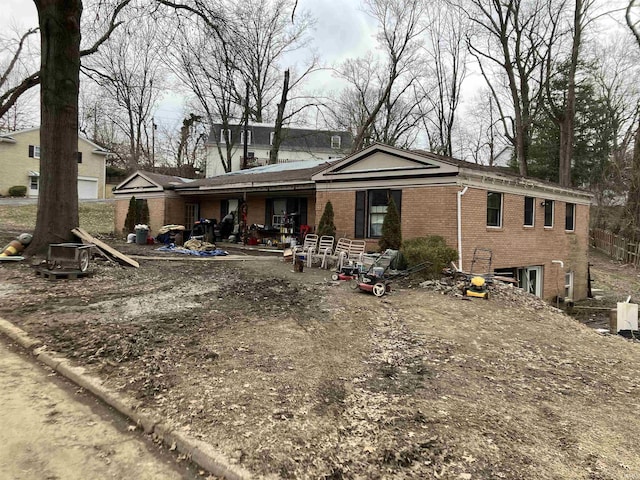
(615, 246)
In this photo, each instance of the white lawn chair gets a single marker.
(339, 253)
(325, 246)
(310, 243)
(356, 251)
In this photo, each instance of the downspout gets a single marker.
(459, 195)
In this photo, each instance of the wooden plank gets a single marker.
(121, 257)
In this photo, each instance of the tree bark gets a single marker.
(277, 135)
(59, 85)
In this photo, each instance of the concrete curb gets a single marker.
(201, 453)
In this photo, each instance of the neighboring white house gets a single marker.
(20, 164)
(297, 144)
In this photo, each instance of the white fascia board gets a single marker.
(386, 183)
(523, 186)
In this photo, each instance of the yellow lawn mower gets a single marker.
(477, 287)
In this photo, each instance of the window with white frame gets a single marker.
(548, 213)
(570, 217)
(248, 137)
(335, 141)
(33, 182)
(529, 211)
(34, 151)
(272, 135)
(494, 209)
(225, 136)
(371, 208)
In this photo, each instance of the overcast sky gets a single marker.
(342, 30)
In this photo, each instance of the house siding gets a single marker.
(15, 163)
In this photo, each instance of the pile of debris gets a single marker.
(505, 293)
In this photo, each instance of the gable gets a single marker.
(381, 162)
(137, 183)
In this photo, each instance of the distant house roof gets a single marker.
(293, 138)
(9, 138)
(278, 174)
(141, 181)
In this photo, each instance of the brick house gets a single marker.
(537, 231)
(20, 164)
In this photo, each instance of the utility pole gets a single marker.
(153, 143)
(245, 146)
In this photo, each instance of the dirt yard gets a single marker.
(295, 376)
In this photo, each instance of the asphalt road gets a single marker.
(50, 430)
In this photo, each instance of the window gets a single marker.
(290, 211)
(34, 151)
(494, 209)
(248, 137)
(272, 135)
(335, 141)
(529, 211)
(378, 202)
(548, 213)
(570, 217)
(33, 183)
(371, 207)
(79, 154)
(225, 135)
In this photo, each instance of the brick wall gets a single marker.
(433, 211)
(515, 245)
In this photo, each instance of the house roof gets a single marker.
(9, 138)
(142, 181)
(293, 138)
(383, 166)
(281, 173)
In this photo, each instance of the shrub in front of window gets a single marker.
(391, 231)
(431, 249)
(326, 225)
(18, 191)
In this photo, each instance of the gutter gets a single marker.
(459, 199)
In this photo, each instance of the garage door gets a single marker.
(88, 188)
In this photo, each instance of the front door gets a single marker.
(530, 279)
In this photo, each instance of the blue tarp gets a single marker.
(211, 253)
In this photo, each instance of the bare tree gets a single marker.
(59, 78)
(633, 198)
(129, 71)
(445, 51)
(265, 35)
(15, 66)
(399, 23)
(510, 44)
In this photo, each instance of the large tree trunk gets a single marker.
(632, 213)
(60, 71)
(277, 136)
(567, 123)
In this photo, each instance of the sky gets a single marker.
(342, 30)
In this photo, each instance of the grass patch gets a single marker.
(95, 217)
